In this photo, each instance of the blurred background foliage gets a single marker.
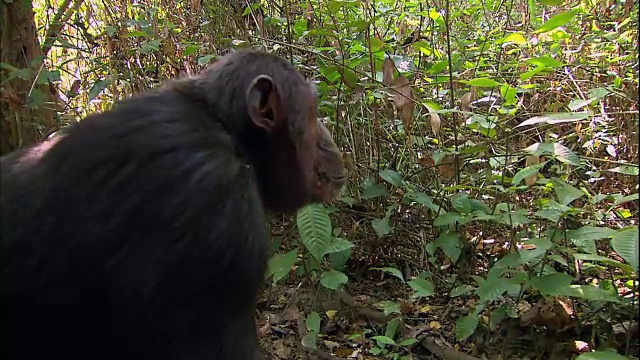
(492, 207)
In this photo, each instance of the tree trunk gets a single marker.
(27, 106)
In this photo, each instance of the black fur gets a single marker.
(140, 233)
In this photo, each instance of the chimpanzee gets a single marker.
(140, 232)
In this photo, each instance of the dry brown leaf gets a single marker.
(281, 350)
(309, 16)
(531, 160)
(402, 92)
(434, 119)
(446, 168)
(388, 70)
(406, 114)
(357, 95)
(402, 28)
(465, 102)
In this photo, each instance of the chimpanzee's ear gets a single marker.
(263, 103)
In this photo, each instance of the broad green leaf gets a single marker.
(374, 190)
(565, 192)
(313, 321)
(625, 243)
(392, 327)
(407, 342)
(550, 284)
(333, 279)
(280, 264)
(447, 219)
(466, 325)
(601, 355)
(591, 233)
(623, 199)
(205, 59)
(556, 118)
(626, 170)
(604, 260)
(391, 271)
(483, 82)
(339, 245)
(424, 200)
(514, 38)
(339, 259)
(552, 211)
(462, 204)
(450, 244)
(392, 177)
(551, 2)
(313, 327)
(97, 87)
(314, 227)
(546, 62)
(381, 226)
(383, 340)
(422, 287)
(389, 307)
(526, 172)
(587, 292)
(557, 21)
(492, 289)
(561, 152)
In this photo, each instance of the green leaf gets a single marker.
(556, 118)
(407, 342)
(625, 169)
(447, 219)
(591, 233)
(424, 200)
(587, 292)
(557, 21)
(526, 172)
(280, 265)
(314, 227)
(381, 226)
(466, 325)
(97, 87)
(383, 340)
(602, 355)
(482, 82)
(338, 260)
(374, 190)
(550, 284)
(551, 2)
(450, 244)
(513, 38)
(422, 287)
(462, 204)
(389, 307)
(561, 152)
(625, 243)
(205, 59)
(313, 327)
(545, 62)
(339, 245)
(391, 271)
(605, 260)
(492, 289)
(392, 327)
(392, 177)
(333, 279)
(565, 192)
